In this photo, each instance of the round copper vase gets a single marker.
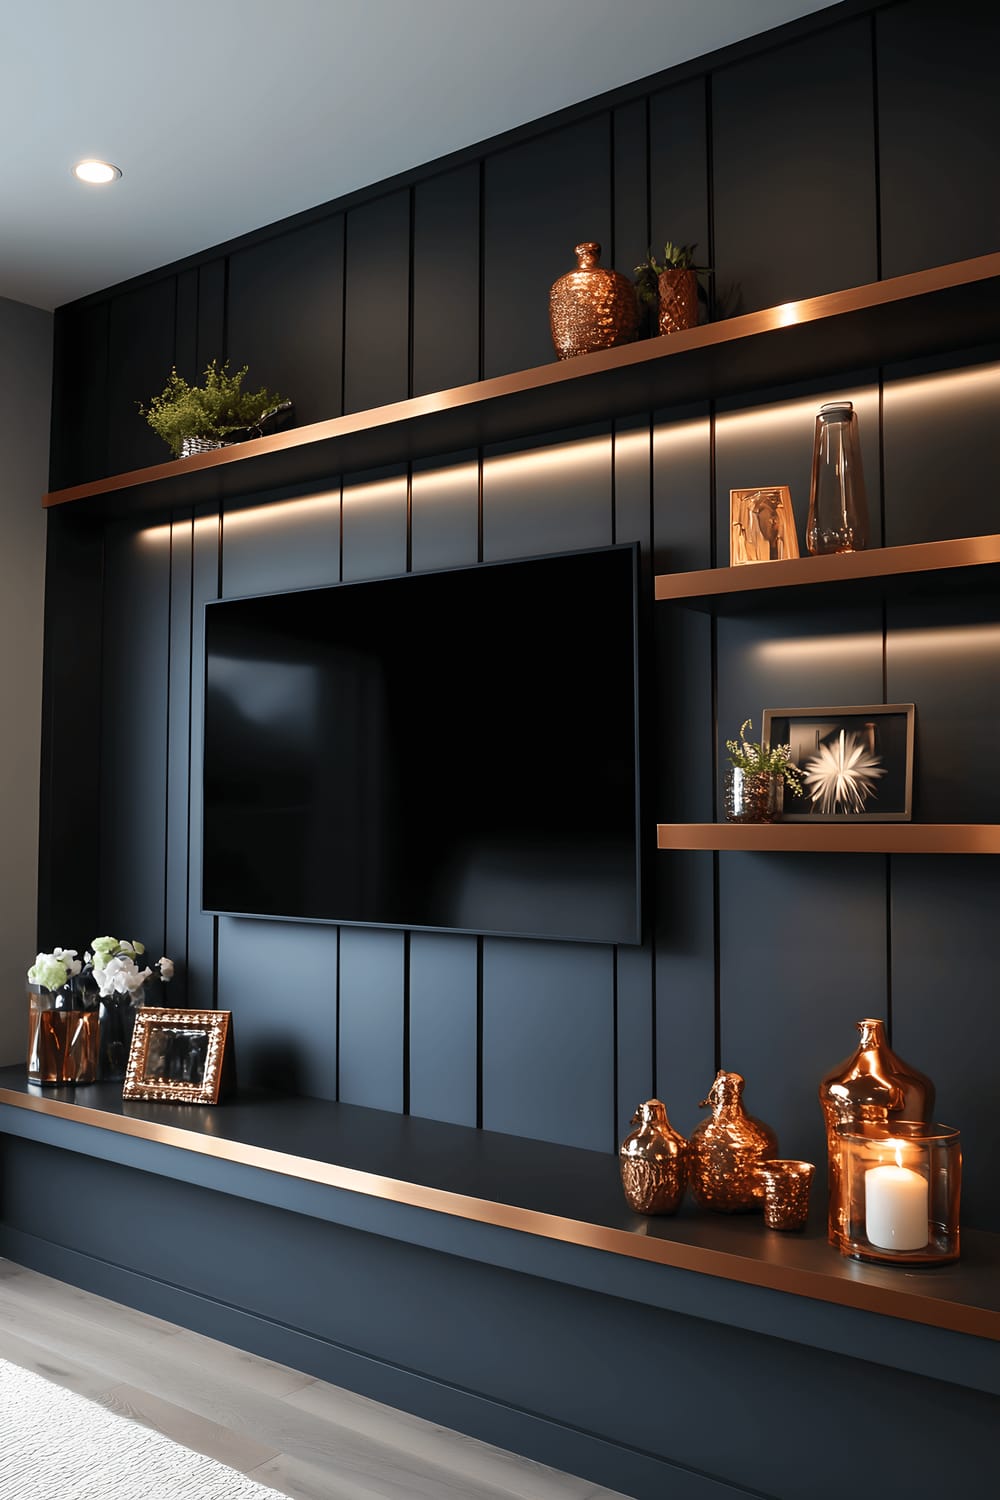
(727, 1150)
(654, 1162)
(592, 307)
(678, 300)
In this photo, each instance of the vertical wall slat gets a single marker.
(377, 303)
(446, 280)
(140, 358)
(201, 926)
(179, 768)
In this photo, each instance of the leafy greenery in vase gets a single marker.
(212, 411)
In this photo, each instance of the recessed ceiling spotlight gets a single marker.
(96, 171)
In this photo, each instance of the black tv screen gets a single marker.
(453, 750)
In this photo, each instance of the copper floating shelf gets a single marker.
(545, 1191)
(882, 572)
(834, 838)
(925, 312)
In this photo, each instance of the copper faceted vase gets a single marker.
(654, 1162)
(592, 307)
(678, 300)
(727, 1149)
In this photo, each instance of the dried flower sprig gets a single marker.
(754, 758)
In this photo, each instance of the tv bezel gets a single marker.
(615, 547)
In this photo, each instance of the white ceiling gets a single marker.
(225, 115)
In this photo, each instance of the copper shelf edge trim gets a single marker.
(834, 838)
(903, 1302)
(829, 305)
(879, 562)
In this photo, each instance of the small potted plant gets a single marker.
(193, 419)
(671, 285)
(756, 779)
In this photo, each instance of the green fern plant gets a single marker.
(213, 410)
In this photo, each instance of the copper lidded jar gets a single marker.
(592, 307)
(654, 1161)
(727, 1149)
(868, 1089)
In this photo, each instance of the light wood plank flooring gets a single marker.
(304, 1438)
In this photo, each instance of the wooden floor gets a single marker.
(304, 1438)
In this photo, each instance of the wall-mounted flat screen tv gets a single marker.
(454, 750)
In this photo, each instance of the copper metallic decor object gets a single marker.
(592, 307)
(786, 1193)
(901, 1193)
(873, 1079)
(678, 300)
(654, 1162)
(180, 1056)
(727, 1149)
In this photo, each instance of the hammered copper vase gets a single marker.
(654, 1162)
(592, 307)
(678, 300)
(869, 1088)
(727, 1149)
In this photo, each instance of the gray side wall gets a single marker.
(25, 389)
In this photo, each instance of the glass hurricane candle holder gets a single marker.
(900, 1192)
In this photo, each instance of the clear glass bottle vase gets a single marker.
(838, 504)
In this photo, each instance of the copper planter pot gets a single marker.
(678, 300)
(591, 307)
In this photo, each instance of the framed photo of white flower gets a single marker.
(856, 763)
(180, 1056)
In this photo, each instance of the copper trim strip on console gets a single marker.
(902, 1302)
(834, 838)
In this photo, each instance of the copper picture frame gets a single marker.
(856, 762)
(180, 1056)
(761, 525)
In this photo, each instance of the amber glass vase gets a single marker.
(870, 1086)
(63, 1037)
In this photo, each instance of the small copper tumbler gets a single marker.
(786, 1193)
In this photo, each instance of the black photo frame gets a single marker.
(856, 762)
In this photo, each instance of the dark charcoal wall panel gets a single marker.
(446, 280)
(443, 1027)
(794, 979)
(285, 1030)
(371, 1017)
(944, 1012)
(794, 168)
(287, 544)
(211, 338)
(941, 67)
(560, 185)
(201, 927)
(79, 441)
(948, 665)
(131, 836)
(631, 205)
(286, 307)
(940, 450)
(377, 303)
(186, 332)
(140, 357)
(547, 496)
(678, 169)
(374, 525)
(179, 766)
(444, 512)
(71, 760)
(548, 1041)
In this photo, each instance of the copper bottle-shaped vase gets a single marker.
(871, 1085)
(592, 307)
(727, 1149)
(654, 1162)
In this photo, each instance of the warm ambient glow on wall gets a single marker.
(155, 535)
(799, 414)
(536, 464)
(852, 651)
(280, 513)
(959, 384)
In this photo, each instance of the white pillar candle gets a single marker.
(896, 1207)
